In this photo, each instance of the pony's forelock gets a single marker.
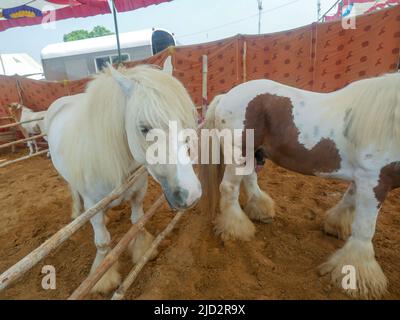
(155, 103)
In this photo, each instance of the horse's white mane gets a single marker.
(96, 142)
(372, 111)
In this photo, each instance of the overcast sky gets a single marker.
(192, 21)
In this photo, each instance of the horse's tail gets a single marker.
(77, 203)
(211, 174)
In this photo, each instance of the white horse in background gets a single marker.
(31, 128)
(351, 134)
(98, 138)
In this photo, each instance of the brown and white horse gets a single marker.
(351, 134)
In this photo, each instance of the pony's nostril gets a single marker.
(180, 195)
(260, 156)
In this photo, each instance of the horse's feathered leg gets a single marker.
(340, 217)
(259, 206)
(142, 242)
(111, 279)
(358, 252)
(232, 222)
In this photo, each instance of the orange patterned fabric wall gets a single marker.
(285, 57)
(318, 57)
(346, 55)
(224, 67)
(326, 57)
(8, 90)
(8, 94)
(37, 95)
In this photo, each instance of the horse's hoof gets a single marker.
(338, 222)
(109, 281)
(261, 208)
(233, 224)
(140, 245)
(354, 269)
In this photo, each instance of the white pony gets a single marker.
(31, 128)
(98, 138)
(351, 134)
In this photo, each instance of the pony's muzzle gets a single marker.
(180, 199)
(180, 195)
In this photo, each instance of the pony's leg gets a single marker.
(36, 146)
(29, 143)
(259, 206)
(232, 222)
(111, 279)
(340, 217)
(142, 242)
(358, 252)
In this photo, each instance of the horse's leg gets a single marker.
(29, 143)
(111, 279)
(36, 146)
(142, 242)
(358, 252)
(259, 206)
(232, 222)
(340, 217)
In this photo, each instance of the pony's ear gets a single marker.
(167, 66)
(125, 83)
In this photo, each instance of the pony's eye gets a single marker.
(144, 130)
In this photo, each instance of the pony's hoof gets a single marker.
(109, 281)
(234, 225)
(261, 208)
(140, 245)
(338, 222)
(354, 269)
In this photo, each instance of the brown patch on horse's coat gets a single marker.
(277, 136)
(389, 178)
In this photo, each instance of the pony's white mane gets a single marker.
(95, 146)
(371, 111)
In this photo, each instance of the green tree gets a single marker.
(98, 31)
(76, 35)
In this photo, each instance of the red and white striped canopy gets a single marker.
(128, 5)
(19, 13)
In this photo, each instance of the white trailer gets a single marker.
(78, 59)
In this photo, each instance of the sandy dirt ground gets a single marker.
(280, 263)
